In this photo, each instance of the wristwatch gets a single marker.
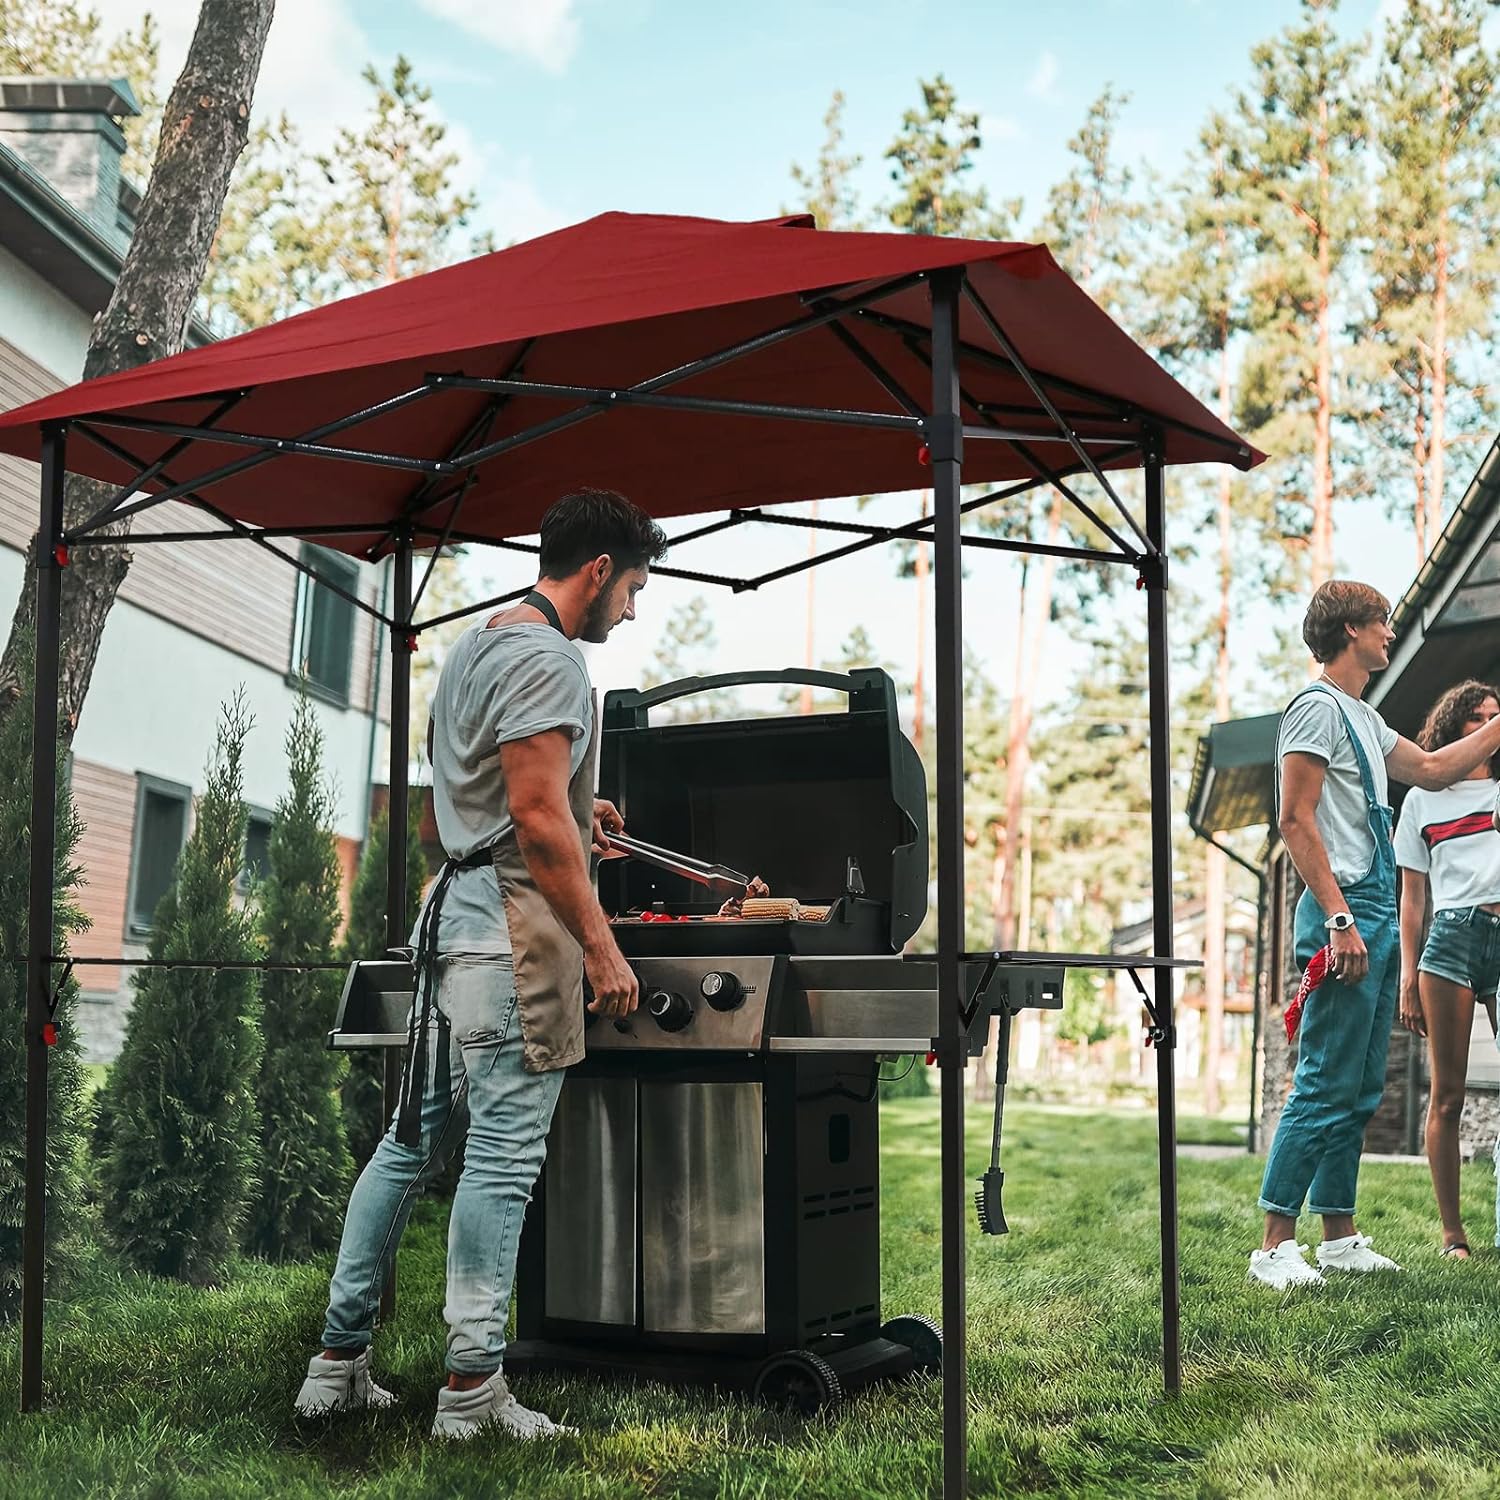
(1340, 921)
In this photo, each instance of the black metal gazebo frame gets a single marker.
(950, 418)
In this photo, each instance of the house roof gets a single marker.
(1234, 775)
(1447, 623)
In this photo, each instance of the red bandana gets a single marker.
(1317, 968)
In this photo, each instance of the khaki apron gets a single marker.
(548, 960)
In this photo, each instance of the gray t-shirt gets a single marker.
(497, 684)
(1314, 726)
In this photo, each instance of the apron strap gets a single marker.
(413, 1081)
(545, 607)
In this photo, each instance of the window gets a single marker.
(161, 828)
(323, 635)
(257, 862)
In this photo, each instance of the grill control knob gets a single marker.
(722, 990)
(669, 1010)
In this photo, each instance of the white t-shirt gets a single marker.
(1449, 836)
(1313, 725)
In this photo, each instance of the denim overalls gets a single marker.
(1345, 1033)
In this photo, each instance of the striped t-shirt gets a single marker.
(1449, 836)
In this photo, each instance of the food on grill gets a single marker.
(757, 887)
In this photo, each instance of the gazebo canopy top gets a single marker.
(469, 384)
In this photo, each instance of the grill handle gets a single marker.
(865, 687)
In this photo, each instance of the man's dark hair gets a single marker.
(1338, 603)
(589, 523)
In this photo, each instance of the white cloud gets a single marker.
(999, 128)
(311, 66)
(1043, 80)
(545, 31)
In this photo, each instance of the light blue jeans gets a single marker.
(475, 1083)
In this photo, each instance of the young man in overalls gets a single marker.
(1333, 755)
(506, 935)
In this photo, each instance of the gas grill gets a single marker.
(709, 1208)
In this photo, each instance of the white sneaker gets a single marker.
(1283, 1267)
(461, 1414)
(340, 1385)
(1352, 1254)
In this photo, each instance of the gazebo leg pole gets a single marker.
(39, 909)
(396, 808)
(1155, 575)
(944, 438)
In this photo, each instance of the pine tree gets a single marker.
(688, 645)
(182, 1127)
(827, 190)
(305, 1166)
(1435, 262)
(364, 937)
(64, 1070)
(1294, 153)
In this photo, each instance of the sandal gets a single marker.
(1456, 1251)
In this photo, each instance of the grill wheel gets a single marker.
(799, 1381)
(921, 1335)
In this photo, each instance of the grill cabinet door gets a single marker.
(702, 1208)
(590, 1202)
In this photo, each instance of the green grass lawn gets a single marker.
(1376, 1387)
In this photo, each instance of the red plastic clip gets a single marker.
(411, 641)
(924, 456)
(49, 1033)
(1140, 581)
(932, 1059)
(60, 552)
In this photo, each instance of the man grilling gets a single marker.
(505, 938)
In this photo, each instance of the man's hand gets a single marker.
(607, 820)
(1412, 1015)
(616, 992)
(1350, 960)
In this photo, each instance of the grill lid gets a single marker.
(793, 799)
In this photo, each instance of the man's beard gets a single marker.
(597, 621)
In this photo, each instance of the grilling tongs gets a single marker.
(700, 871)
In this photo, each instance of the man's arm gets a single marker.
(536, 779)
(1432, 770)
(1301, 787)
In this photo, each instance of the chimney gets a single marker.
(68, 131)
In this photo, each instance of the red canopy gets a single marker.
(615, 301)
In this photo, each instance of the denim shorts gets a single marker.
(1463, 947)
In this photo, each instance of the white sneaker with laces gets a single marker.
(462, 1414)
(1353, 1254)
(341, 1385)
(1283, 1266)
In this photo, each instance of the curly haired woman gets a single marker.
(1446, 841)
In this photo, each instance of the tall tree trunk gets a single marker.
(1322, 496)
(204, 128)
(1439, 380)
(1216, 864)
(1419, 454)
(919, 685)
(809, 644)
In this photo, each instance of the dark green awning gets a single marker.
(1234, 775)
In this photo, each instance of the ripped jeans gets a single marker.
(475, 1083)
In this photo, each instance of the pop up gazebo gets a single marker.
(718, 367)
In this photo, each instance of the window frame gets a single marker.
(323, 560)
(243, 882)
(146, 784)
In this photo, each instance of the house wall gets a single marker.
(191, 626)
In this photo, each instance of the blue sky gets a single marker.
(562, 109)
